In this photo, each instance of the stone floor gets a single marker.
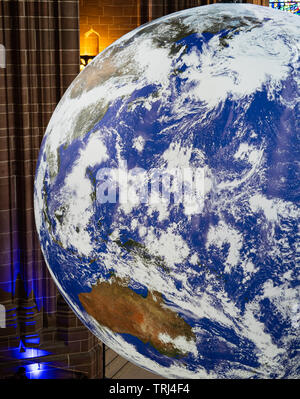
(47, 367)
(117, 367)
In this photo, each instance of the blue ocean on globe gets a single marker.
(167, 194)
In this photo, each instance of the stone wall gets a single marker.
(111, 19)
(41, 40)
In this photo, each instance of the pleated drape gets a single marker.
(41, 41)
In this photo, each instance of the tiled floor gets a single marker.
(118, 368)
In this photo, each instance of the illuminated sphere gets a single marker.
(198, 285)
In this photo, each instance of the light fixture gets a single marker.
(90, 47)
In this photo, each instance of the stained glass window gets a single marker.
(291, 6)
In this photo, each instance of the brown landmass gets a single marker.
(114, 305)
(91, 77)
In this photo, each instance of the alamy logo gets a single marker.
(138, 186)
(2, 56)
(2, 316)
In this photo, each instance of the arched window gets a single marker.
(91, 42)
(89, 48)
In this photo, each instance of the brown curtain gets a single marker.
(41, 40)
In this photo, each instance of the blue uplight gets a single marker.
(32, 339)
(29, 285)
(29, 353)
(35, 370)
(44, 371)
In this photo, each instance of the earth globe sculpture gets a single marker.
(167, 192)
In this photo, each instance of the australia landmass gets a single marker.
(116, 306)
